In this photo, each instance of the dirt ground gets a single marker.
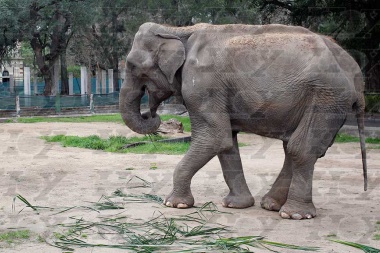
(48, 174)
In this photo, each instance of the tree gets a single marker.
(112, 33)
(9, 30)
(108, 37)
(48, 25)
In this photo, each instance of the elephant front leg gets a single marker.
(239, 195)
(181, 196)
(207, 142)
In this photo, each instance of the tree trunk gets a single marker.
(48, 84)
(64, 77)
(116, 80)
(115, 65)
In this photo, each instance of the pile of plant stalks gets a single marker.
(193, 232)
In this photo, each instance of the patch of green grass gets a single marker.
(40, 238)
(345, 138)
(79, 119)
(377, 236)
(117, 143)
(13, 236)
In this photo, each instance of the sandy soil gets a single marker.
(51, 175)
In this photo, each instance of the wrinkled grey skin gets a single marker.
(277, 81)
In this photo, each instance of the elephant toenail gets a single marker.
(296, 216)
(169, 204)
(181, 206)
(285, 215)
(308, 216)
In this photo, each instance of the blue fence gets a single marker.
(19, 87)
(50, 102)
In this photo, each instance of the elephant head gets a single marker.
(155, 57)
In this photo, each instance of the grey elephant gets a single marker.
(277, 81)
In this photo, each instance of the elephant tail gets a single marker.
(360, 119)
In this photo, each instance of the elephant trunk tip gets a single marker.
(144, 123)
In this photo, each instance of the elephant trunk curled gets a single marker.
(129, 103)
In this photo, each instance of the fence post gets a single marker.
(97, 82)
(18, 106)
(83, 80)
(71, 83)
(110, 81)
(27, 81)
(104, 82)
(27, 88)
(12, 84)
(92, 103)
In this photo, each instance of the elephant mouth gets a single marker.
(130, 107)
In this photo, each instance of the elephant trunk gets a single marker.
(130, 99)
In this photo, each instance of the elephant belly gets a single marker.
(271, 121)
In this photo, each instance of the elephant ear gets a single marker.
(171, 55)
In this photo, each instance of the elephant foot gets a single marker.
(179, 201)
(240, 201)
(271, 204)
(297, 210)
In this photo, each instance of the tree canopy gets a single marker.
(99, 33)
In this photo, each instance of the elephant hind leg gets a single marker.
(309, 142)
(278, 194)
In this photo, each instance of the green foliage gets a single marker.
(27, 53)
(12, 236)
(47, 26)
(117, 144)
(75, 70)
(372, 102)
(365, 248)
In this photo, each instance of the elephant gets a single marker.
(277, 81)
